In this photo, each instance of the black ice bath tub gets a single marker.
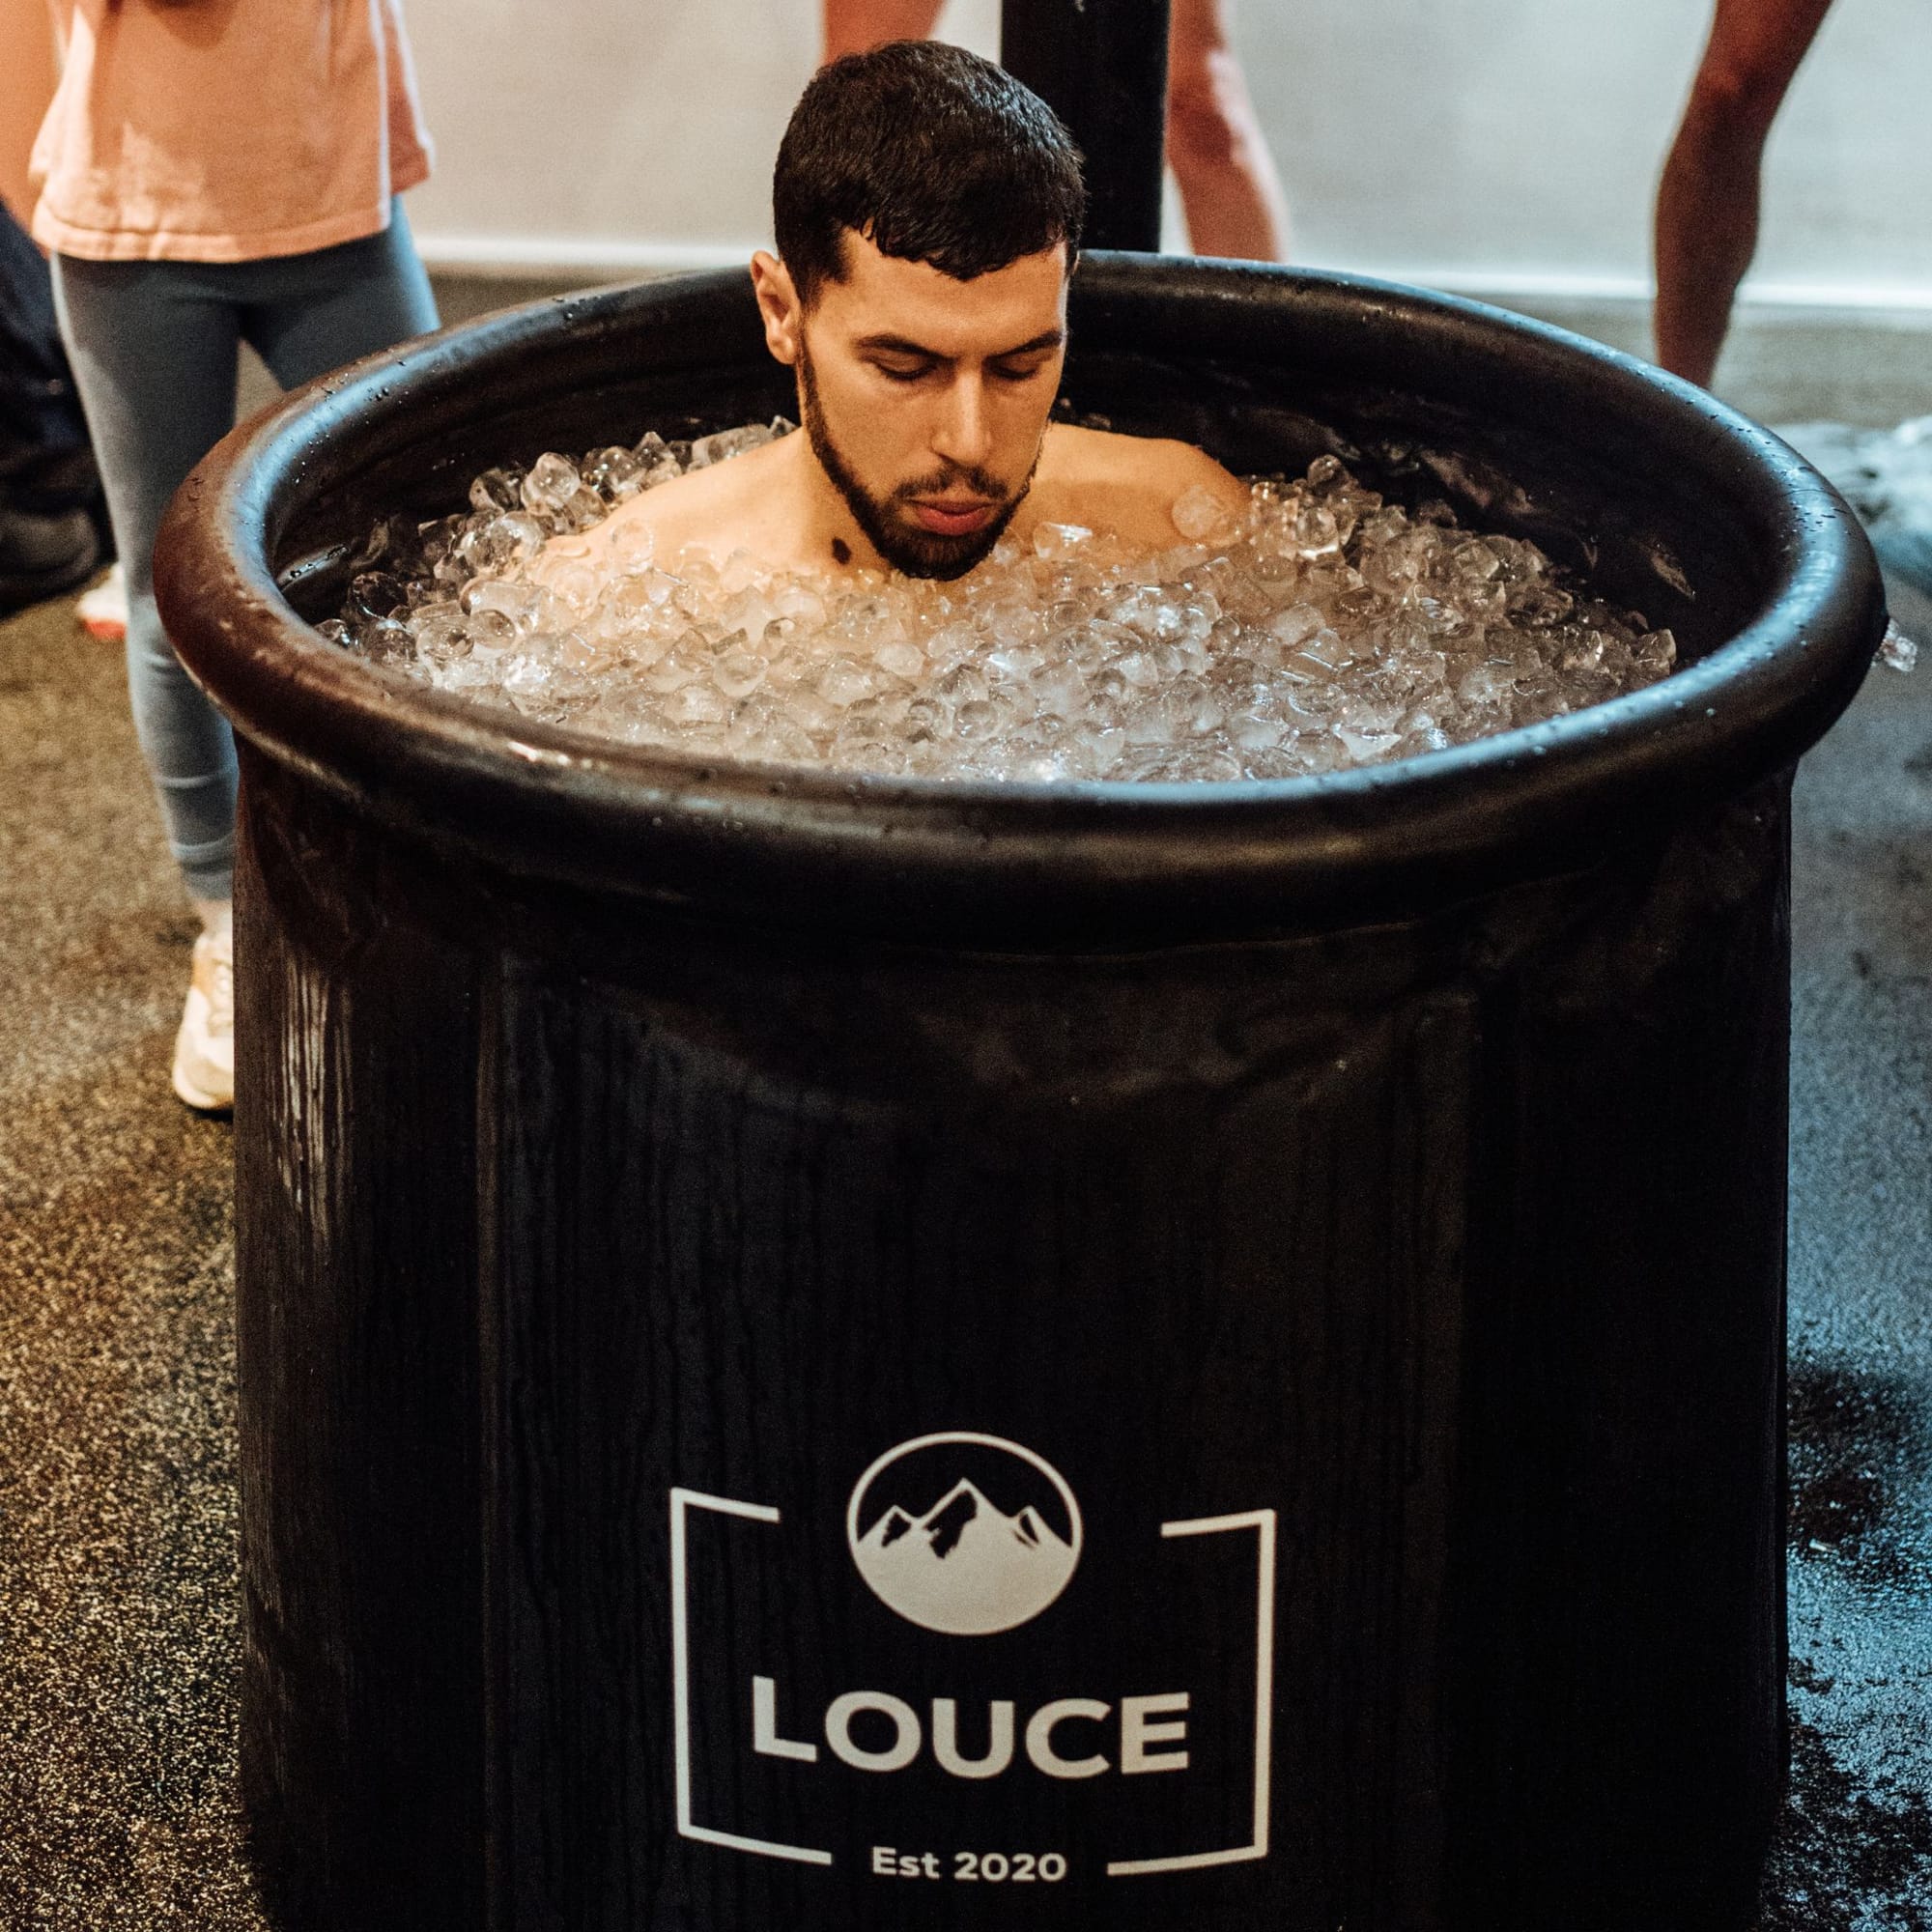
(832, 1354)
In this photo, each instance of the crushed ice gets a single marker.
(1323, 628)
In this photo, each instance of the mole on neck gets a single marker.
(841, 551)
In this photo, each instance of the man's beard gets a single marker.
(905, 546)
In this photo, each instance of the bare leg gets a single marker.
(1233, 197)
(1707, 204)
(852, 26)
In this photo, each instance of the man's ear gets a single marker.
(779, 306)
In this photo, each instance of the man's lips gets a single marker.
(954, 516)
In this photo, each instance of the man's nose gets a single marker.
(962, 435)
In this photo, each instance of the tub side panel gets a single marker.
(361, 1725)
(1620, 1579)
(1453, 1247)
(1189, 1229)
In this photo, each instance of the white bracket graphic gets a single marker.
(683, 1502)
(1262, 1523)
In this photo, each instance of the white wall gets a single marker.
(594, 133)
(1501, 145)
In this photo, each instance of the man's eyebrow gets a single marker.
(1050, 338)
(899, 345)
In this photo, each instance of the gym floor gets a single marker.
(118, 1580)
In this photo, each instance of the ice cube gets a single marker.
(440, 634)
(1058, 540)
(551, 482)
(696, 703)
(1201, 516)
(1315, 533)
(497, 489)
(901, 657)
(738, 672)
(844, 681)
(1655, 654)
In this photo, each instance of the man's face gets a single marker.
(926, 398)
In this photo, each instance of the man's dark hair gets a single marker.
(931, 152)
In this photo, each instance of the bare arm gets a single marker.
(856, 26)
(29, 68)
(1707, 204)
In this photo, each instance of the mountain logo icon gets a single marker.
(928, 1536)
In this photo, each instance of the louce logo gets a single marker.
(966, 1535)
(964, 1566)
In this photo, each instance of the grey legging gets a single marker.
(154, 348)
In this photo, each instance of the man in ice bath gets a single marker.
(928, 212)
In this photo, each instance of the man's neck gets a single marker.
(829, 534)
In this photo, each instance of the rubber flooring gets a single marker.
(118, 1583)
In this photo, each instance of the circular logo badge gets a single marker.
(963, 1533)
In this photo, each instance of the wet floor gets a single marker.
(1857, 1849)
(117, 1505)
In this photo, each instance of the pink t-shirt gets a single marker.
(225, 130)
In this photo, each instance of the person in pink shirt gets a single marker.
(212, 172)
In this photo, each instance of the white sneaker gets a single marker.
(103, 611)
(203, 1073)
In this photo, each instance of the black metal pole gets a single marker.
(1101, 66)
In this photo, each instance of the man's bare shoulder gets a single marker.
(1126, 485)
(696, 511)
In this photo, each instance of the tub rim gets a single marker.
(1023, 862)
